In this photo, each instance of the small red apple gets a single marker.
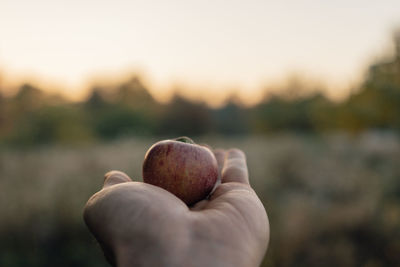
(187, 170)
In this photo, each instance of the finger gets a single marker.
(235, 167)
(220, 156)
(115, 177)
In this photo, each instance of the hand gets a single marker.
(139, 224)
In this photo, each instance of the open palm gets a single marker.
(139, 224)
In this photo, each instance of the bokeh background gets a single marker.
(310, 91)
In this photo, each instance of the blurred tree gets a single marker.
(231, 119)
(322, 113)
(96, 100)
(116, 121)
(183, 117)
(28, 98)
(51, 124)
(125, 109)
(2, 116)
(279, 114)
(134, 94)
(377, 103)
(21, 107)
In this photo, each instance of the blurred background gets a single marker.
(309, 90)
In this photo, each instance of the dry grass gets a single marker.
(332, 201)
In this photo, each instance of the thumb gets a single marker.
(115, 177)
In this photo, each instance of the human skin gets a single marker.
(139, 224)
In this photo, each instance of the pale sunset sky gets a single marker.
(208, 47)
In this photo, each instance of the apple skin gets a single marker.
(187, 170)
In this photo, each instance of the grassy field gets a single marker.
(332, 200)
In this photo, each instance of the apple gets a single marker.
(187, 170)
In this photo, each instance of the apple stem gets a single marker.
(184, 139)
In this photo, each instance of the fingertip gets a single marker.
(115, 177)
(235, 167)
(219, 155)
(235, 153)
(219, 151)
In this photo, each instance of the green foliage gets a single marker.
(184, 118)
(128, 109)
(50, 124)
(231, 119)
(116, 121)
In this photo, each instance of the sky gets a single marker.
(210, 48)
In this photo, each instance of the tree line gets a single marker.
(128, 109)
